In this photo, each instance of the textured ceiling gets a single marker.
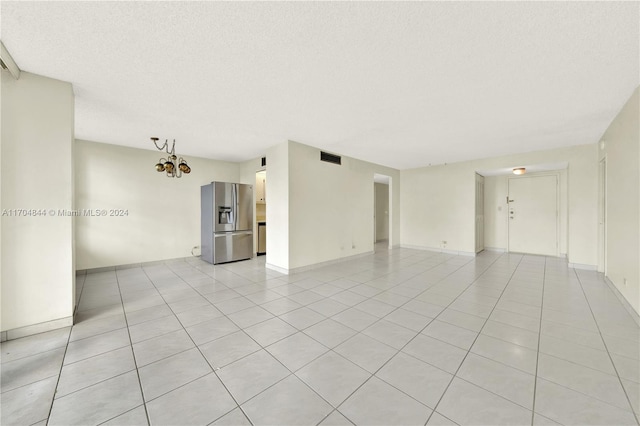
(400, 84)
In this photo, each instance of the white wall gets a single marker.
(437, 203)
(330, 206)
(38, 277)
(278, 212)
(382, 211)
(496, 218)
(163, 219)
(622, 140)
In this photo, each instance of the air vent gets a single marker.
(263, 161)
(330, 158)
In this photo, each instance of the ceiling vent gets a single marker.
(330, 158)
(263, 161)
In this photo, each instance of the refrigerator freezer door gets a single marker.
(206, 222)
(244, 208)
(224, 206)
(231, 246)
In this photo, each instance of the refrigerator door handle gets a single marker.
(236, 207)
(226, 234)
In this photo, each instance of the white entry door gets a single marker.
(533, 215)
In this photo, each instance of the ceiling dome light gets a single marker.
(519, 171)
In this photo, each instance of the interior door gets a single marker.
(533, 215)
(479, 213)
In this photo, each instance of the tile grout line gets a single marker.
(535, 380)
(133, 353)
(624, 390)
(329, 350)
(55, 389)
(213, 369)
(455, 374)
(417, 334)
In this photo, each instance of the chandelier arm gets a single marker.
(163, 147)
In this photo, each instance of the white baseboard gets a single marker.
(439, 250)
(42, 327)
(316, 265)
(496, 249)
(623, 300)
(276, 268)
(583, 266)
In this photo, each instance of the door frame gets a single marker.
(389, 208)
(479, 181)
(534, 175)
(602, 216)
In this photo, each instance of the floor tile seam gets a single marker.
(408, 301)
(176, 388)
(335, 410)
(55, 398)
(93, 334)
(464, 312)
(455, 374)
(632, 341)
(535, 381)
(229, 412)
(538, 317)
(627, 410)
(90, 320)
(581, 365)
(283, 379)
(524, 303)
(496, 394)
(624, 390)
(78, 312)
(118, 415)
(127, 311)
(4, 363)
(410, 340)
(214, 370)
(55, 389)
(133, 353)
(31, 383)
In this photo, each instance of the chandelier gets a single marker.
(169, 164)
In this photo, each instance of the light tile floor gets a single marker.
(396, 338)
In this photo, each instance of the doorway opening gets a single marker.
(261, 213)
(382, 210)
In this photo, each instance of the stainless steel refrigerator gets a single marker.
(226, 222)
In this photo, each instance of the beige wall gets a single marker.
(163, 220)
(319, 212)
(38, 273)
(622, 140)
(331, 206)
(496, 219)
(438, 203)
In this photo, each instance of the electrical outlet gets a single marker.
(353, 246)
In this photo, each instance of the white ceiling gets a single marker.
(402, 84)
